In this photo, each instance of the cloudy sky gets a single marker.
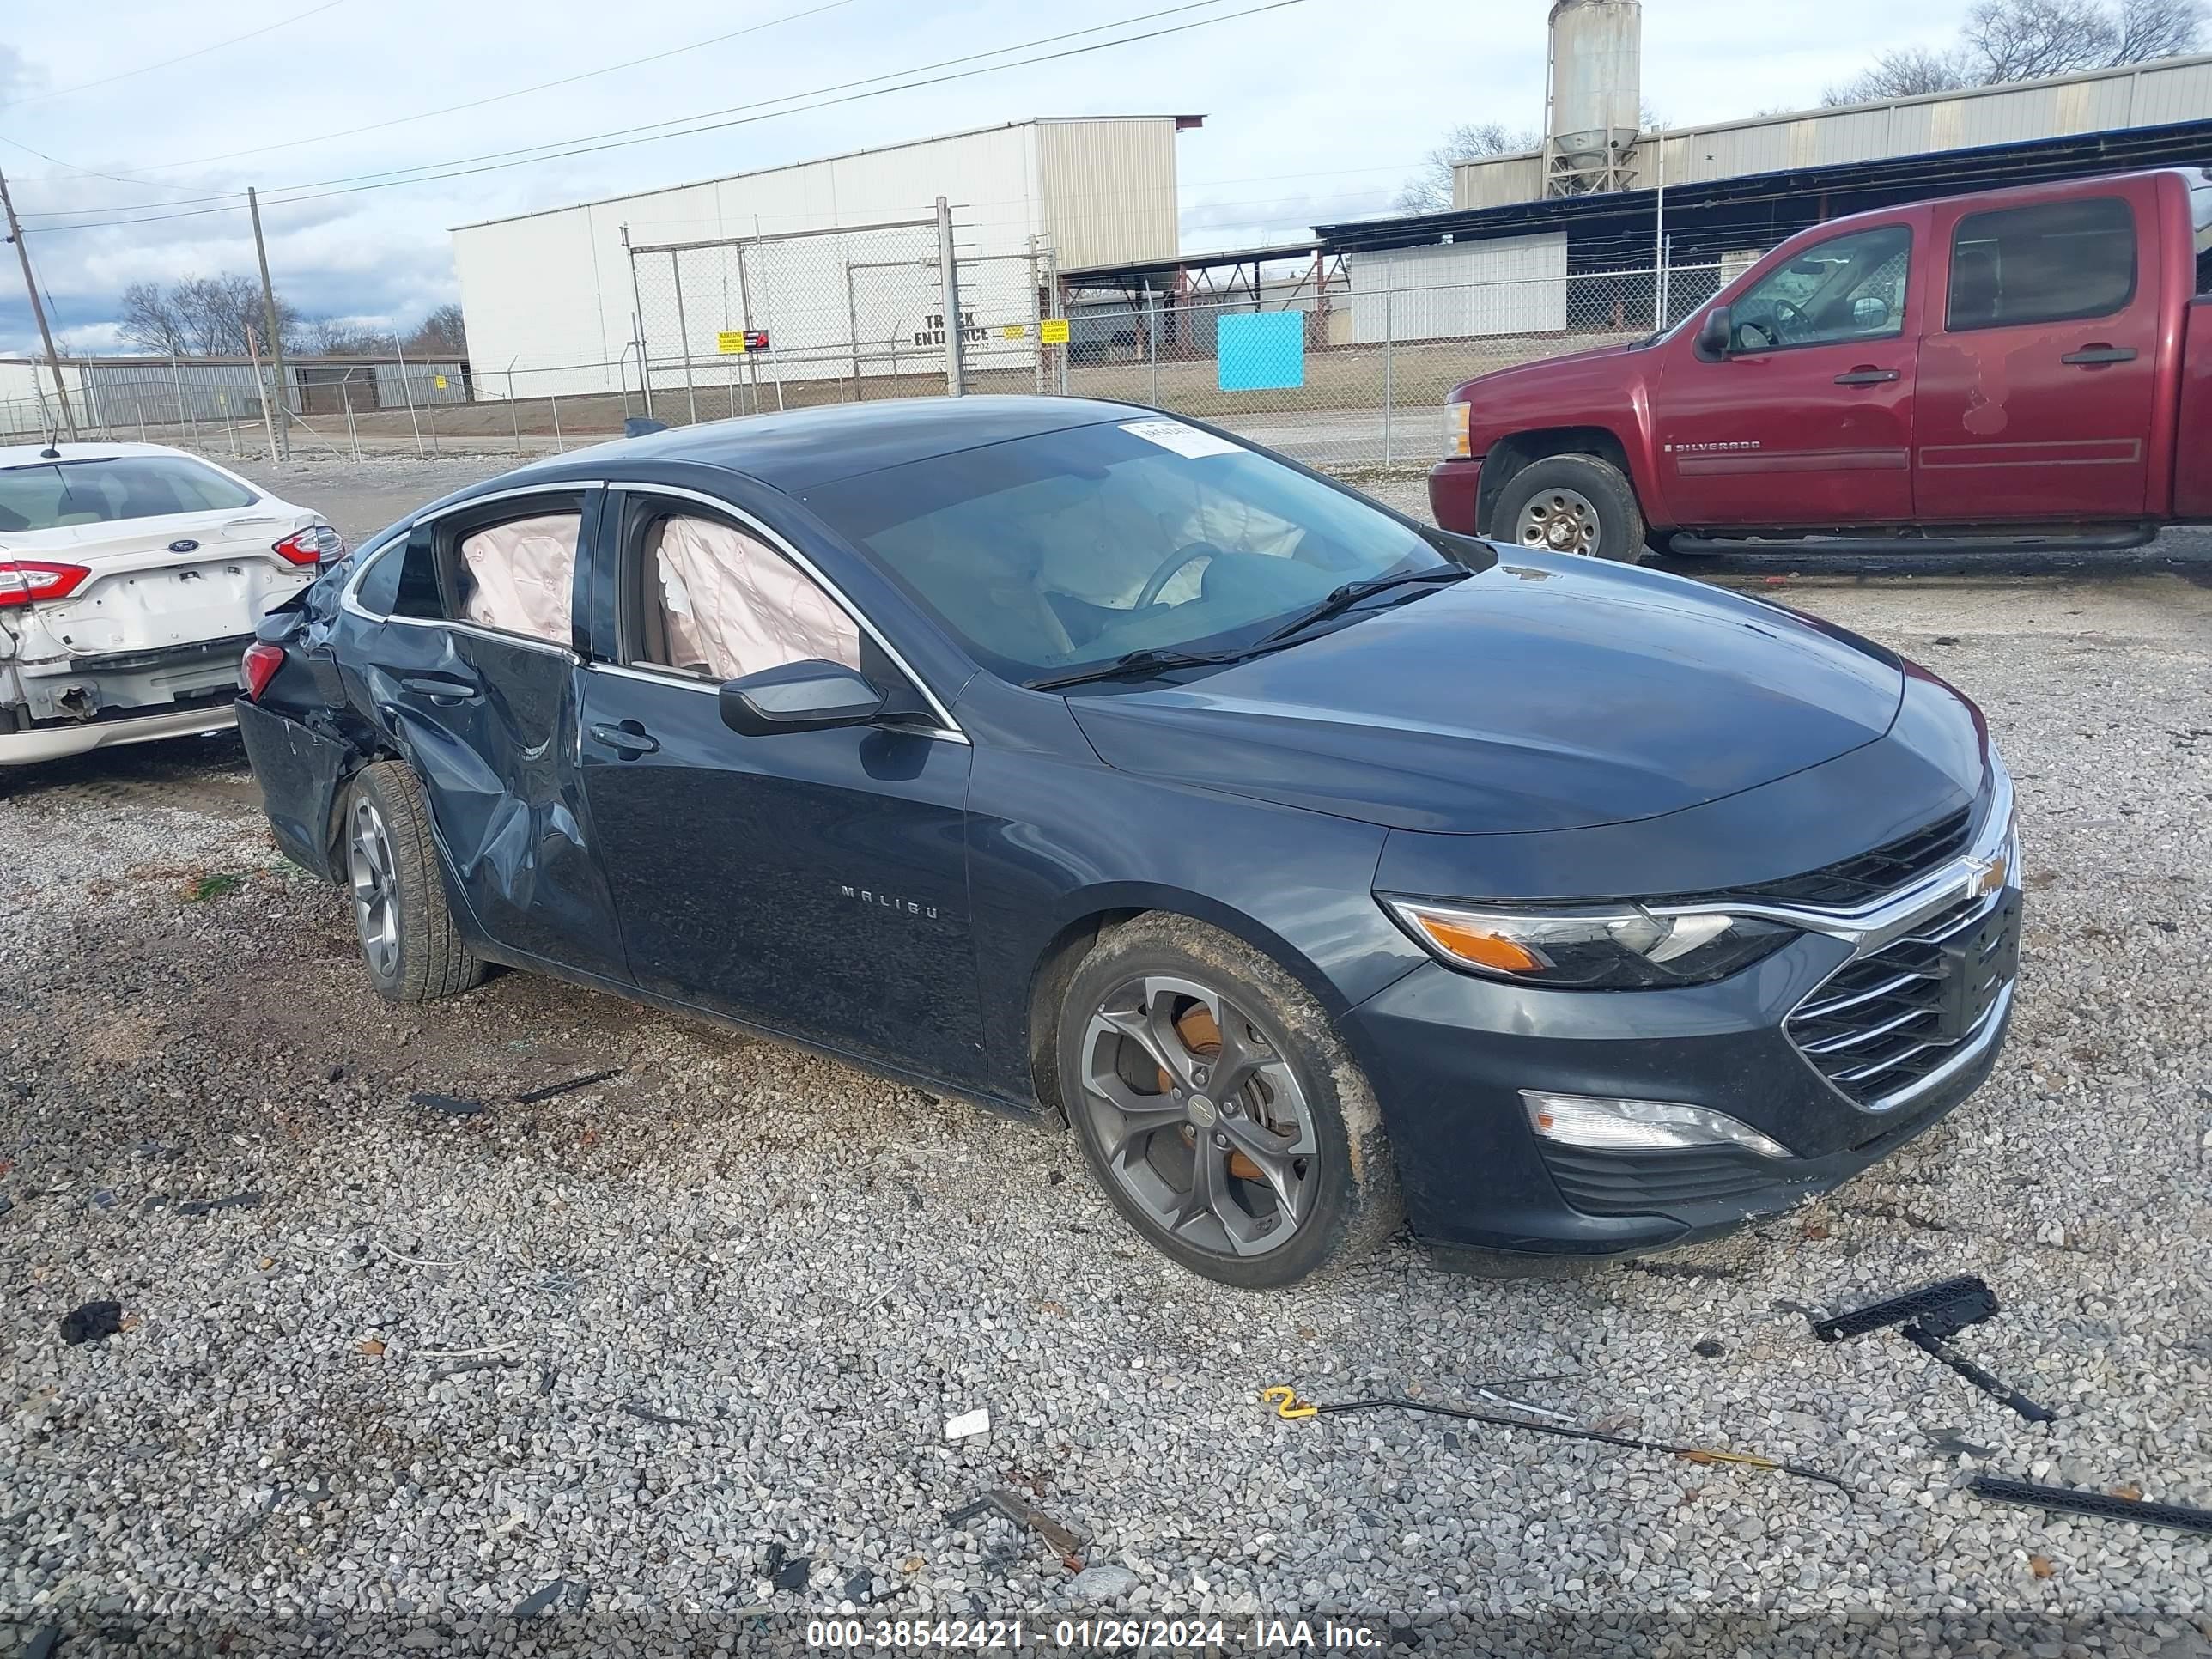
(1315, 110)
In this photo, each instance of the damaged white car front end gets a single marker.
(131, 577)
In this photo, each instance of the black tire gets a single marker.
(1345, 1187)
(1572, 482)
(421, 957)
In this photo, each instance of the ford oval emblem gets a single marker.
(185, 544)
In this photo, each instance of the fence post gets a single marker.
(514, 409)
(948, 268)
(353, 428)
(768, 317)
(1152, 342)
(1036, 316)
(853, 319)
(1390, 383)
(407, 390)
(554, 400)
(684, 332)
(268, 418)
(637, 317)
(177, 386)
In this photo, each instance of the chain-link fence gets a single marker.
(1346, 368)
(746, 324)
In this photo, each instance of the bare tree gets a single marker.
(442, 333)
(152, 322)
(1429, 191)
(332, 337)
(2025, 40)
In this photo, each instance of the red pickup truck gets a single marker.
(2021, 365)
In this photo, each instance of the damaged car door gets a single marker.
(810, 880)
(474, 669)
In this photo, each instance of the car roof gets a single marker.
(71, 450)
(800, 447)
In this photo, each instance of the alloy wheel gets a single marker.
(1201, 1119)
(375, 902)
(1560, 521)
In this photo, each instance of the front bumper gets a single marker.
(1454, 487)
(1453, 1052)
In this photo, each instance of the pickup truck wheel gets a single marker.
(407, 940)
(1571, 504)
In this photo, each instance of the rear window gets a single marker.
(53, 495)
(2048, 264)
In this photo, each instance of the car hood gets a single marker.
(1542, 694)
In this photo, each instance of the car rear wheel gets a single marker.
(1571, 504)
(1218, 1111)
(413, 951)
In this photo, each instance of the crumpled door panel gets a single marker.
(490, 724)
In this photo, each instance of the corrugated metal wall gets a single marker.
(1106, 189)
(2158, 94)
(1515, 285)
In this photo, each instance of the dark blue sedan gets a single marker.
(1319, 867)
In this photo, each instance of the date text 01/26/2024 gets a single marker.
(1096, 1635)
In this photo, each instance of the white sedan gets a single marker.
(131, 577)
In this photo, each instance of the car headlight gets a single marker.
(1606, 947)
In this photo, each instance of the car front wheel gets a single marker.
(413, 951)
(1218, 1109)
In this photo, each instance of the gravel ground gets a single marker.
(678, 1348)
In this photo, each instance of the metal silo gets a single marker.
(1592, 100)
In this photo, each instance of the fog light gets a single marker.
(1639, 1126)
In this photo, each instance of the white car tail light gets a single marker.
(316, 545)
(23, 581)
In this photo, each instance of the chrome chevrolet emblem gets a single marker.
(1987, 875)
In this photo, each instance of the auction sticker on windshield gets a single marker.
(1183, 439)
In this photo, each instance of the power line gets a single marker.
(495, 161)
(201, 51)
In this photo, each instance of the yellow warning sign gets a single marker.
(1052, 330)
(731, 342)
(439, 381)
(1014, 332)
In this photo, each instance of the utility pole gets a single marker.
(275, 335)
(38, 310)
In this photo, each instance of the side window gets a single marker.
(707, 599)
(2042, 264)
(1848, 287)
(518, 575)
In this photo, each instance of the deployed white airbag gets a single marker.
(523, 574)
(733, 606)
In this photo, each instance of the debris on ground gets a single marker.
(2104, 1506)
(1289, 1405)
(967, 1422)
(786, 1571)
(538, 1600)
(646, 1414)
(96, 1321)
(1707, 1348)
(213, 884)
(530, 1097)
(449, 1105)
(1102, 1584)
(1929, 1317)
(248, 1200)
(1022, 1513)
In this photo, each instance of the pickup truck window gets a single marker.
(1848, 287)
(2049, 263)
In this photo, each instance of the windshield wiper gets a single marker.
(1343, 598)
(1136, 663)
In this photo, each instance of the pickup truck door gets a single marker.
(2038, 375)
(1807, 419)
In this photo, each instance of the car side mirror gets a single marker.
(813, 695)
(1716, 333)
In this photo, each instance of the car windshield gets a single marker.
(1048, 554)
(52, 495)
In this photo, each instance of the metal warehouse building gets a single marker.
(569, 299)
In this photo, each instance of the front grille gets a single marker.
(1853, 881)
(1639, 1183)
(1884, 1022)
